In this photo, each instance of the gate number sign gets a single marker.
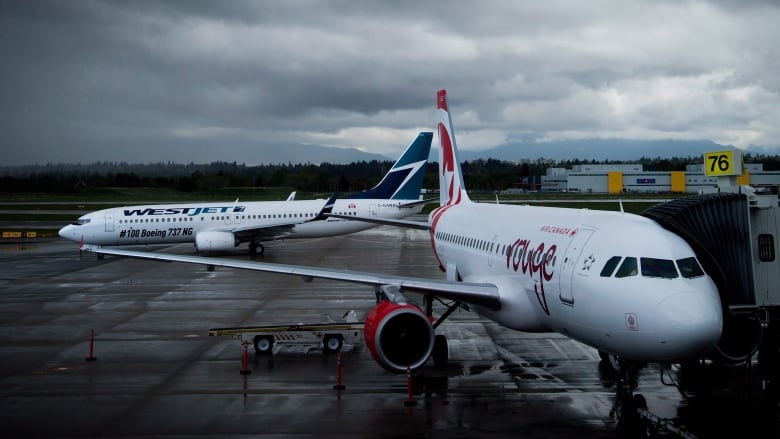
(722, 163)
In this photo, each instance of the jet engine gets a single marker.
(398, 336)
(214, 241)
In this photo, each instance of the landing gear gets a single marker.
(630, 423)
(610, 361)
(253, 248)
(441, 352)
(628, 405)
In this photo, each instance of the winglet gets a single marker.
(326, 209)
(291, 197)
(452, 189)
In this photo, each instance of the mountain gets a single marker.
(184, 151)
(316, 154)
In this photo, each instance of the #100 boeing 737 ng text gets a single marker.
(615, 281)
(223, 226)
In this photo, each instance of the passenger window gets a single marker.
(627, 268)
(689, 267)
(610, 266)
(663, 268)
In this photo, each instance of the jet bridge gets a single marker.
(733, 232)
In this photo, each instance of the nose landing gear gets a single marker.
(629, 408)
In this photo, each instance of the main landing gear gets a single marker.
(254, 246)
(440, 353)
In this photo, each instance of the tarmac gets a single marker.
(156, 373)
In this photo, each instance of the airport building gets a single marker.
(625, 178)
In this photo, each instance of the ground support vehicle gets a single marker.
(331, 337)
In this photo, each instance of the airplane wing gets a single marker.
(266, 233)
(277, 231)
(480, 294)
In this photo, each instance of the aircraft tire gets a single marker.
(630, 423)
(332, 343)
(645, 428)
(254, 247)
(609, 360)
(440, 351)
(264, 344)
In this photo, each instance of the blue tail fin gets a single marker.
(404, 180)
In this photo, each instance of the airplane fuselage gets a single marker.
(181, 223)
(549, 266)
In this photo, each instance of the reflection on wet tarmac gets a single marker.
(155, 378)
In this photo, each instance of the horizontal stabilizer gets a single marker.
(409, 224)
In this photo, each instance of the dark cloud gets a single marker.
(210, 80)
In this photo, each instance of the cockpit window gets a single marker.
(81, 221)
(627, 268)
(663, 268)
(609, 267)
(689, 267)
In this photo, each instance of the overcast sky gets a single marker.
(148, 81)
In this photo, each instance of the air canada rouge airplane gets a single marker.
(615, 281)
(223, 226)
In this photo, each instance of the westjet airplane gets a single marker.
(223, 226)
(615, 281)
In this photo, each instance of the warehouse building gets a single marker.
(632, 178)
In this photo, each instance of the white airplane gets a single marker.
(615, 281)
(223, 226)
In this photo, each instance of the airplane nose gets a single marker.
(66, 232)
(698, 314)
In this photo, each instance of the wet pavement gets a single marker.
(157, 373)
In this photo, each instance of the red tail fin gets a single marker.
(452, 189)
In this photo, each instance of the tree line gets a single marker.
(479, 175)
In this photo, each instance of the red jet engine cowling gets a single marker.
(399, 336)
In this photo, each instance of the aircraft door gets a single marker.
(492, 250)
(372, 210)
(109, 221)
(236, 214)
(570, 261)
